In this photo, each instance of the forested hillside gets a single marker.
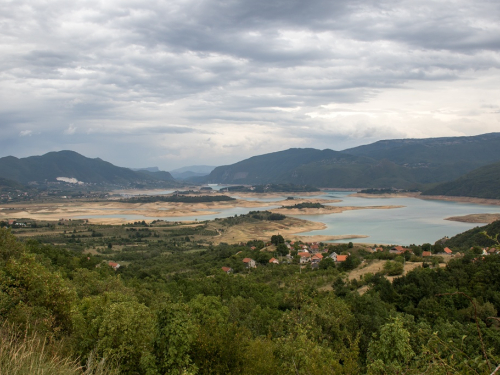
(406, 163)
(170, 309)
(70, 164)
(480, 183)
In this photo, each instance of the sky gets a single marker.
(182, 82)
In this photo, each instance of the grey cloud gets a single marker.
(182, 68)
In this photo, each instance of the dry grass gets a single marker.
(32, 354)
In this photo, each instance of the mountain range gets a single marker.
(427, 164)
(71, 165)
(398, 163)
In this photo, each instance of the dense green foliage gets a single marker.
(480, 183)
(173, 311)
(478, 236)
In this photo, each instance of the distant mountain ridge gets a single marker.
(400, 163)
(191, 172)
(70, 164)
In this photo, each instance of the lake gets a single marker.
(418, 222)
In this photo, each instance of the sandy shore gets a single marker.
(476, 218)
(290, 228)
(483, 201)
(85, 210)
(327, 210)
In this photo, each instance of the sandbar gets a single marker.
(328, 210)
(483, 201)
(476, 218)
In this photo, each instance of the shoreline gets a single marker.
(475, 218)
(481, 201)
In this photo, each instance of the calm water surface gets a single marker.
(418, 222)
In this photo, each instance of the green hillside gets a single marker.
(9, 185)
(481, 183)
(403, 163)
(476, 237)
(48, 167)
(450, 157)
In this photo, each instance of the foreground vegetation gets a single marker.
(170, 309)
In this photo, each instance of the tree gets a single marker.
(175, 333)
(277, 239)
(282, 249)
(390, 352)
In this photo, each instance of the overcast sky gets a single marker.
(175, 83)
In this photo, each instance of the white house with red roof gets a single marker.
(114, 265)
(249, 263)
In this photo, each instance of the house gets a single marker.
(399, 250)
(447, 251)
(492, 251)
(253, 248)
(249, 263)
(377, 249)
(426, 253)
(114, 265)
(11, 222)
(304, 257)
(341, 258)
(227, 270)
(316, 258)
(314, 248)
(333, 256)
(274, 261)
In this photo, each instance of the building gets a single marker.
(274, 261)
(249, 263)
(227, 270)
(114, 265)
(304, 257)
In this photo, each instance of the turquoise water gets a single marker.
(418, 222)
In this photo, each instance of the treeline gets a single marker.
(179, 199)
(178, 313)
(304, 205)
(272, 188)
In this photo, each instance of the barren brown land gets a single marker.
(476, 218)
(290, 228)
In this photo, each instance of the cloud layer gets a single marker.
(172, 83)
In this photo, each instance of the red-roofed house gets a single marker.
(249, 262)
(227, 270)
(304, 257)
(399, 250)
(447, 250)
(426, 253)
(316, 258)
(114, 265)
(274, 260)
(341, 258)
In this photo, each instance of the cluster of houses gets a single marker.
(310, 253)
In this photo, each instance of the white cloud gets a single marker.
(25, 133)
(70, 130)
